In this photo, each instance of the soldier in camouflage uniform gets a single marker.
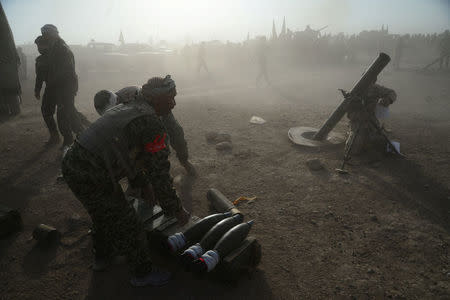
(362, 132)
(127, 141)
(104, 100)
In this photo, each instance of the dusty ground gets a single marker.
(379, 232)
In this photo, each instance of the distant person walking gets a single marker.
(398, 53)
(261, 57)
(201, 63)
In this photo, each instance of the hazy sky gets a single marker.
(180, 20)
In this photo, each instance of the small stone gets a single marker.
(374, 219)
(370, 271)
(314, 164)
(75, 217)
(60, 179)
(329, 214)
(74, 221)
(224, 146)
(426, 187)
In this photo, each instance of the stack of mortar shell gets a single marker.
(229, 242)
(210, 239)
(217, 238)
(180, 240)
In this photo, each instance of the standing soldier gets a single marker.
(398, 53)
(127, 141)
(48, 104)
(262, 61)
(49, 100)
(62, 83)
(363, 135)
(201, 63)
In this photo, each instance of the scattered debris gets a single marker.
(257, 120)
(314, 164)
(374, 218)
(10, 220)
(224, 146)
(60, 179)
(370, 271)
(45, 234)
(213, 137)
(243, 198)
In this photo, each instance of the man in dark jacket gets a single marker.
(61, 84)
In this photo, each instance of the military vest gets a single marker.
(106, 136)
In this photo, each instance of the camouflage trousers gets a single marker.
(115, 224)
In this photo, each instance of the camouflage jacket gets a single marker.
(174, 130)
(357, 110)
(147, 154)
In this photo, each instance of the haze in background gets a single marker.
(182, 21)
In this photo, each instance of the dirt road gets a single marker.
(379, 232)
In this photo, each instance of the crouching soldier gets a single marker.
(127, 141)
(363, 134)
(104, 100)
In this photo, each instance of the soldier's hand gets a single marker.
(182, 216)
(190, 169)
(37, 95)
(148, 195)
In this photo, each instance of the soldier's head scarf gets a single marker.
(42, 44)
(104, 100)
(49, 30)
(158, 86)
